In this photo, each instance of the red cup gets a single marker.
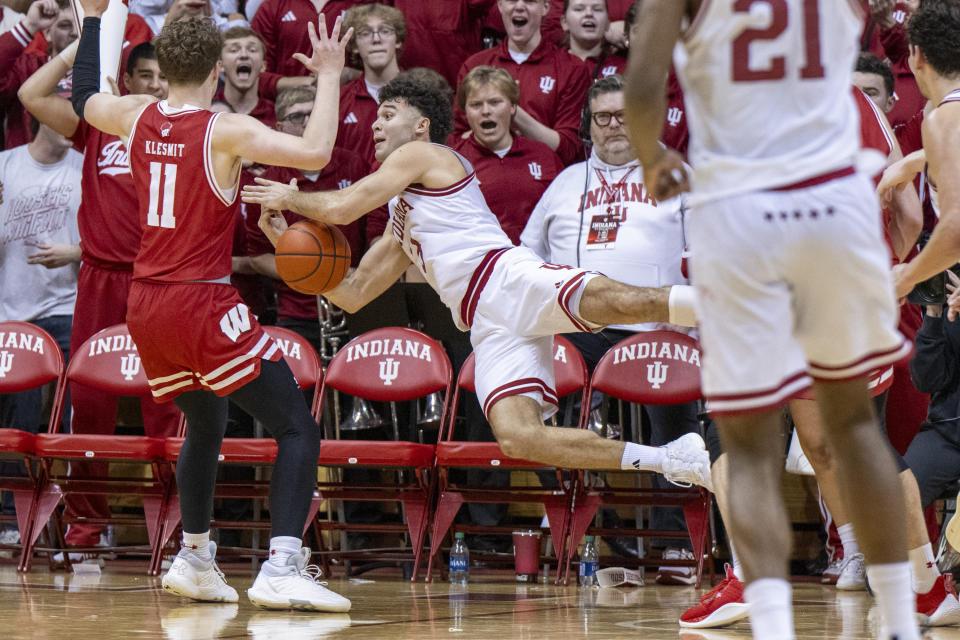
(526, 554)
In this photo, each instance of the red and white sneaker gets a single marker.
(939, 607)
(720, 606)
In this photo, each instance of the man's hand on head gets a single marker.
(40, 15)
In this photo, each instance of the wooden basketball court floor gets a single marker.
(124, 603)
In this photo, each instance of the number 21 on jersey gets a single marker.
(744, 71)
(163, 185)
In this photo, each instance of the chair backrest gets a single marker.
(29, 357)
(302, 359)
(655, 367)
(569, 375)
(108, 360)
(390, 364)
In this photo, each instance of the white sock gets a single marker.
(924, 565)
(641, 457)
(281, 548)
(848, 540)
(895, 600)
(198, 543)
(737, 567)
(771, 610)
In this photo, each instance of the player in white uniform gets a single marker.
(788, 260)
(510, 300)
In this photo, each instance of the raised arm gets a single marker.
(38, 94)
(243, 137)
(651, 49)
(413, 162)
(109, 113)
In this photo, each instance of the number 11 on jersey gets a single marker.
(166, 175)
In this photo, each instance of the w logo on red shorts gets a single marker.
(235, 321)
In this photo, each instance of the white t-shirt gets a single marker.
(622, 231)
(40, 203)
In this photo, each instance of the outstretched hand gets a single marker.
(94, 8)
(269, 194)
(329, 52)
(667, 177)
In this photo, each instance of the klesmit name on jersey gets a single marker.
(389, 347)
(22, 341)
(665, 351)
(173, 149)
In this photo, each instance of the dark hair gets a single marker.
(630, 19)
(869, 63)
(935, 30)
(143, 51)
(431, 104)
(431, 78)
(188, 50)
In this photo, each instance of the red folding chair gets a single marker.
(29, 358)
(655, 368)
(570, 377)
(392, 364)
(303, 361)
(107, 361)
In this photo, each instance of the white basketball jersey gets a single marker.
(446, 233)
(767, 91)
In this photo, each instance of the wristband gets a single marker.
(681, 305)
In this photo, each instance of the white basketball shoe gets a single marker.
(687, 462)
(295, 586)
(853, 574)
(193, 577)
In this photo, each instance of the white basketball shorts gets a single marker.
(792, 284)
(522, 306)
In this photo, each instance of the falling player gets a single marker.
(510, 301)
(788, 260)
(185, 162)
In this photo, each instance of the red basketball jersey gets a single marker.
(187, 219)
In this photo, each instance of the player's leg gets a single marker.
(876, 508)
(607, 301)
(274, 399)
(194, 573)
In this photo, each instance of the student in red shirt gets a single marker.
(242, 59)
(109, 239)
(585, 23)
(514, 171)
(379, 32)
(553, 83)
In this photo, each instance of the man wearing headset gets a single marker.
(597, 214)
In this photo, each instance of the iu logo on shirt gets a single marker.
(535, 170)
(114, 159)
(674, 116)
(547, 83)
(608, 70)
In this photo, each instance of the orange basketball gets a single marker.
(312, 257)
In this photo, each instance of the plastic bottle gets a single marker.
(459, 560)
(588, 563)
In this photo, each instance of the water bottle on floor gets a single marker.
(589, 561)
(459, 560)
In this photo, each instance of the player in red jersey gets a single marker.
(185, 161)
(110, 237)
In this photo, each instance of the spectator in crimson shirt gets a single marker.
(242, 59)
(442, 35)
(586, 22)
(295, 310)
(283, 26)
(553, 83)
(379, 32)
(513, 171)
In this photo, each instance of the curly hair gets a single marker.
(935, 30)
(188, 50)
(869, 63)
(430, 102)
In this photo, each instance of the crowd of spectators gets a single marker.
(535, 89)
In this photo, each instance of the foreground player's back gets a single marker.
(187, 218)
(767, 90)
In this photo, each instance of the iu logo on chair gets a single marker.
(389, 369)
(129, 365)
(6, 363)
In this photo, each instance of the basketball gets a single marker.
(312, 257)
